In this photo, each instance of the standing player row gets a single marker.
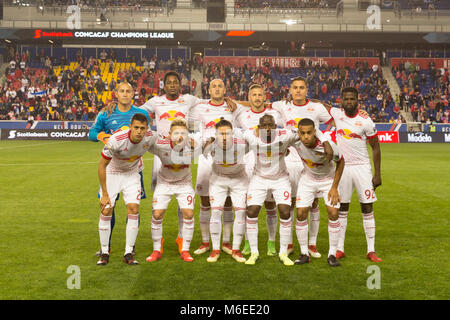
(209, 114)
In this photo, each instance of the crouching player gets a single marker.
(176, 152)
(228, 178)
(118, 171)
(319, 177)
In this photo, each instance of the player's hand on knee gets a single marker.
(333, 196)
(105, 203)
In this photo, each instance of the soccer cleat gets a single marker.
(340, 254)
(237, 255)
(285, 259)
(332, 261)
(203, 248)
(104, 259)
(179, 243)
(302, 259)
(271, 251)
(226, 247)
(186, 256)
(129, 259)
(156, 255)
(312, 250)
(372, 256)
(214, 256)
(290, 249)
(252, 259)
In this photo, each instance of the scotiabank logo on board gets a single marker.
(388, 136)
(39, 34)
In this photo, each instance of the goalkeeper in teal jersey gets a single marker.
(120, 119)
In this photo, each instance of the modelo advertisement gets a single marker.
(424, 137)
(23, 134)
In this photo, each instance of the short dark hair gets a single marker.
(139, 117)
(223, 123)
(300, 79)
(172, 73)
(266, 116)
(350, 89)
(306, 122)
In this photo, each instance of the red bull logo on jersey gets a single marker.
(293, 122)
(176, 167)
(172, 115)
(122, 129)
(212, 124)
(311, 164)
(347, 134)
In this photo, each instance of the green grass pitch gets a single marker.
(49, 221)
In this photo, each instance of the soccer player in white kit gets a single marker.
(228, 179)
(353, 131)
(292, 112)
(248, 119)
(167, 108)
(321, 178)
(207, 115)
(118, 172)
(174, 179)
(271, 146)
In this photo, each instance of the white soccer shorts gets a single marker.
(360, 178)
(129, 185)
(184, 194)
(259, 188)
(204, 171)
(222, 187)
(308, 189)
(249, 161)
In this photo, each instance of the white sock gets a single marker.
(272, 221)
(291, 213)
(333, 235)
(215, 226)
(252, 232)
(157, 230)
(314, 222)
(285, 234)
(205, 217)
(343, 222)
(301, 229)
(238, 228)
(180, 223)
(131, 232)
(188, 233)
(227, 224)
(104, 230)
(369, 229)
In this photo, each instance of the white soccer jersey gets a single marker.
(175, 161)
(125, 155)
(230, 162)
(167, 110)
(315, 164)
(247, 119)
(352, 135)
(208, 114)
(270, 163)
(292, 113)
